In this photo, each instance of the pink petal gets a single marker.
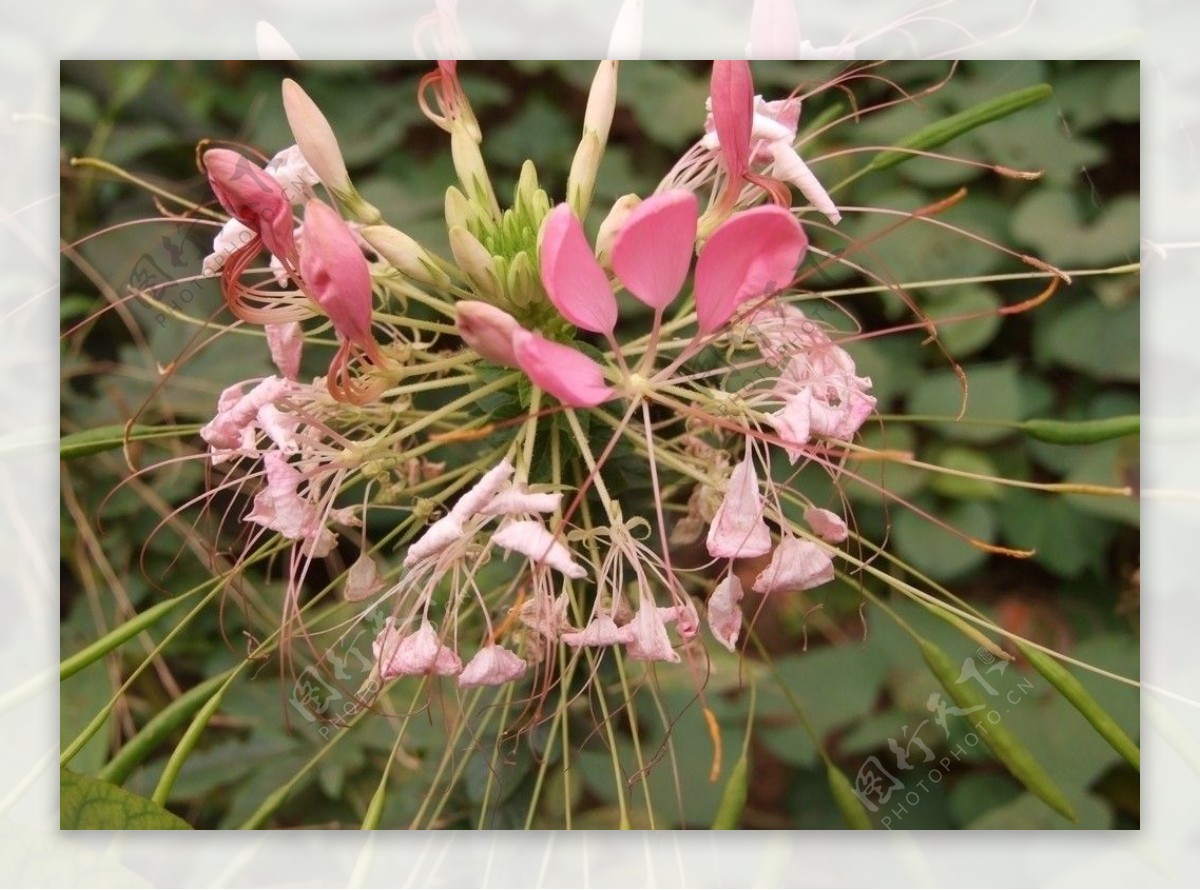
(738, 529)
(482, 492)
(795, 565)
(437, 538)
(574, 281)
(569, 375)
(793, 423)
(518, 500)
(790, 168)
(418, 653)
(336, 272)
(487, 330)
(827, 524)
(649, 641)
(653, 250)
(752, 254)
(724, 613)
(491, 666)
(285, 341)
(732, 93)
(253, 197)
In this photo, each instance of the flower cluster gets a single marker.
(536, 312)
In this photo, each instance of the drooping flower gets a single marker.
(796, 564)
(826, 524)
(738, 530)
(724, 613)
(281, 506)
(492, 666)
(418, 653)
(648, 640)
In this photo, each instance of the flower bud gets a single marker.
(472, 172)
(611, 226)
(475, 262)
(335, 272)
(405, 254)
(582, 179)
(252, 196)
(487, 330)
(320, 148)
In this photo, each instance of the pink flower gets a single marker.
(567, 374)
(232, 431)
(418, 653)
(648, 639)
(795, 565)
(738, 529)
(253, 197)
(752, 254)
(491, 666)
(600, 631)
(280, 507)
(724, 613)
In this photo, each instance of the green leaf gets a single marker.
(106, 438)
(993, 393)
(1092, 338)
(1052, 221)
(942, 131)
(87, 803)
(938, 552)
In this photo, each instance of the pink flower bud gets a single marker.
(487, 330)
(335, 272)
(253, 197)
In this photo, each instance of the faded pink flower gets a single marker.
(418, 653)
(280, 507)
(492, 666)
(232, 431)
(795, 565)
(738, 529)
(724, 613)
(648, 639)
(600, 631)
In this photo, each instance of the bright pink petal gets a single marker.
(733, 112)
(253, 197)
(653, 250)
(336, 272)
(576, 284)
(563, 372)
(752, 254)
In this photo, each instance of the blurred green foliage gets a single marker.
(861, 682)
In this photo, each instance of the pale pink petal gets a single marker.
(752, 254)
(281, 507)
(649, 640)
(565, 373)
(530, 538)
(685, 616)
(481, 493)
(574, 281)
(437, 538)
(233, 235)
(336, 273)
(285, 341)
(793, 423)
(518, 500)
(795, 565)
(653, 250)
(487, 330)
(790, 168)
(826, 524)
(600, 631)
(732, 91)
(492, 666)
(294, 174)
(724, 613)
(280, 428)
(738, 529)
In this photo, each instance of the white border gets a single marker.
(32, 853)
